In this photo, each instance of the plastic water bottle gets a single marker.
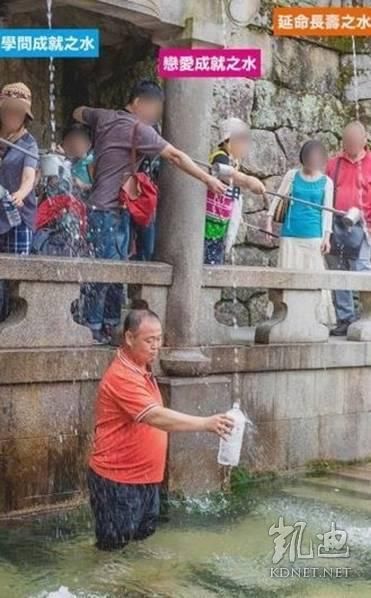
(12, 213)
(230, 449)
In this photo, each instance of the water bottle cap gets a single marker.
(236, 405)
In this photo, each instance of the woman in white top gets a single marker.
(306, 230)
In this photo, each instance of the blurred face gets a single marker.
(354, 140)
(238, 147)
(144, 344)
(315, 160)
(148, 110)
(12, 119)
(76, 145)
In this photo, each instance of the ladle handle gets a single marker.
(306, 203)
(19, 148)
(261, 230)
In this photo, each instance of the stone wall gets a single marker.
(307, 403)
(307, 91)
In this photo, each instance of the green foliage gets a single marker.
(319, 467)
(242, 480)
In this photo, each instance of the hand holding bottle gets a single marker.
(220, 424)
(230, 446)
(17, 198)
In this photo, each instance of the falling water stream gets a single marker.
(236, 395)
(355, 73)
(236, 378)
(357, 112)
(53, 125)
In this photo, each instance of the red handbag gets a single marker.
(138, 194)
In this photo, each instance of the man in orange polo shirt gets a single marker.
(127, 463)
(351, 174)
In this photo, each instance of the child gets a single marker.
(77, 147)
(223, 212)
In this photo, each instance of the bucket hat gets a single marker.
(17, 95)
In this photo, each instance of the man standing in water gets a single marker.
(127, 463)
(109, 223)
(351, 174)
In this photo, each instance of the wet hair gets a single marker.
(308, 147)
(139, 311)
(146, 89)
(77, 129)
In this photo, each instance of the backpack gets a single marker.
(61, 228)
(61, 239)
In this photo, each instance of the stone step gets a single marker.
(347, 485)
(326, 495)
(359, 473)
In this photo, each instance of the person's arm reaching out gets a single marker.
(248, 182)
(78, 114)
(185, 163)
(169, 420)
(139, 403)
(89, 116)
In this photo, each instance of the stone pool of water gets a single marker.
(202, 550)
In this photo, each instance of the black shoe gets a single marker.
(100, 338)
(108, 330)
(341, 329)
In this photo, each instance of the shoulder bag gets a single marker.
(138, 194)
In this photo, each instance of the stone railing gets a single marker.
(295, 297)
(43, 289)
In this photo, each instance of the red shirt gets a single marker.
(353, 186)
(125, 449)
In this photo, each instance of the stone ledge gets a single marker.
(79, 270)
(89, 363)
(306, 356)
(174, 382)
(20, 366)
(278, 278)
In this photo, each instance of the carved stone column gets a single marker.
(181, 217)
